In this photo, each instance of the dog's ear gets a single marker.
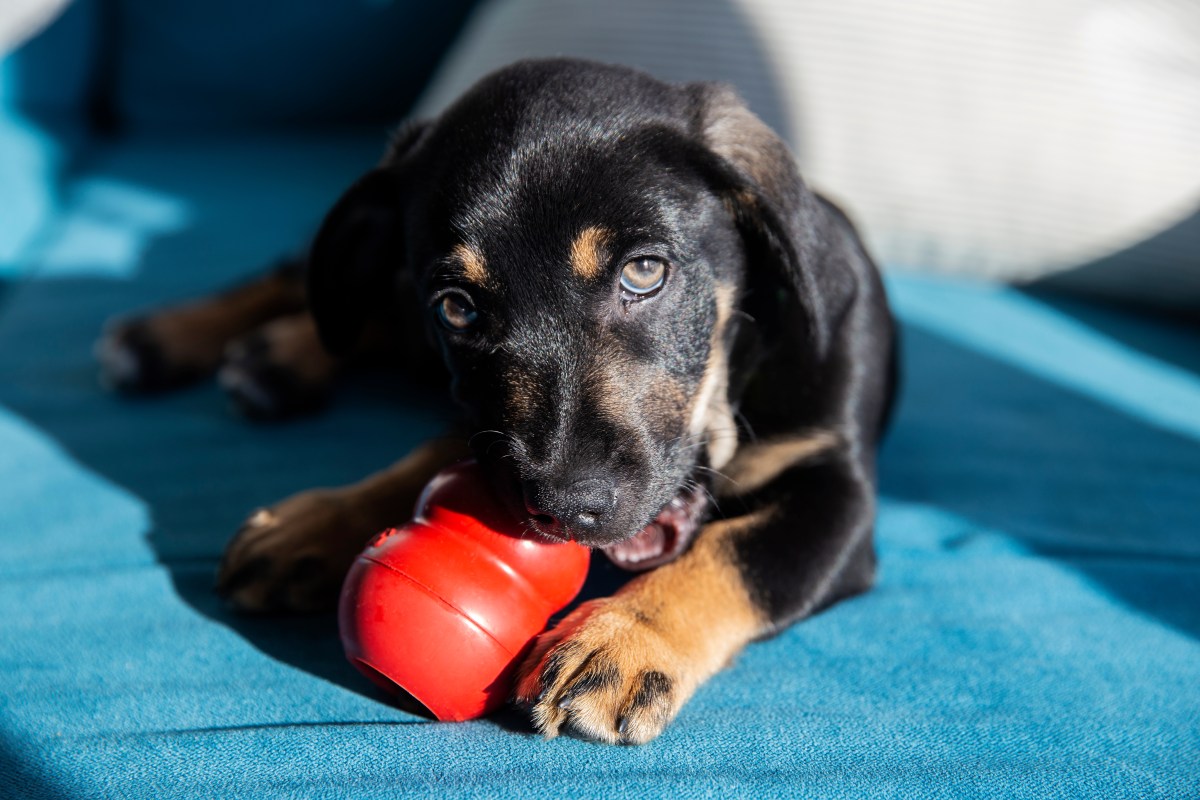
(797, 243)
(354, 258)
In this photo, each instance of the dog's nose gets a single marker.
(580, 508)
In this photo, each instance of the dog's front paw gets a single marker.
(294, 555)
(608, 674)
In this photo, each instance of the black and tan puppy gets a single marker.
(664, 344)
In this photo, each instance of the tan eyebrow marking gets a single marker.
(472, 263)
(588, 253)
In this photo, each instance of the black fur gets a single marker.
(573, 384)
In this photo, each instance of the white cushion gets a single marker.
(1005, 138)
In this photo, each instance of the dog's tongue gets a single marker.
(664, 538)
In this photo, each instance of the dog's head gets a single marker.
(589, 246)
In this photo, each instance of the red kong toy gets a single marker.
(443, 608)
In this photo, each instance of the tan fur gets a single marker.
(686, 620)
(609, 396)
(472, 264)
(293, 343)
(757, 464)
(588, 252)
(662, 402)
(194, 335)
(736, 134)
(618, 388)
(521, 394)
(392, 493)
(325, 529)
(711, 416)
(262, 518)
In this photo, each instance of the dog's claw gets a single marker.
(604, 674)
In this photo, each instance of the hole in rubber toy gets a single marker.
(400, 697)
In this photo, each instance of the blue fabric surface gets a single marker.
(29, 161)
(54, 71)
(230, 63)
(44, 87)
(1034, 632)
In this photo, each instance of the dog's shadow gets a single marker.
(310, 642)
(288, 457)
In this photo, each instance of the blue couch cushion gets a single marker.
(45, 86)
(1035, 631)
(206, 63)
(54, 71)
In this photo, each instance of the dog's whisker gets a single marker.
(718, 473)
(502, 439)
(744, 315)
(477, 434)
(745, 423)
(711, 498)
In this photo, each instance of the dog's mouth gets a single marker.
(666, 537)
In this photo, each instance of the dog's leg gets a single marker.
(618, 669)
(279, 369)
(178, 345)
(294, 555)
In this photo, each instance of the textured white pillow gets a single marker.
(1005, 138)
(21, 19)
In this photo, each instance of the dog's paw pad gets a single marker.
(604, 674)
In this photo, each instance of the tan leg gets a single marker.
(294, 555)
(185, 343)
(279, 369)
(618, 669)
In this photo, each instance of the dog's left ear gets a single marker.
(801, 241)
(357, 253)
(349, 260)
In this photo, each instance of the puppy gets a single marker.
(662, 343)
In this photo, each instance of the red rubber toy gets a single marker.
(443, 609)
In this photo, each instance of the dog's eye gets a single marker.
(456, 311)
(643, 277)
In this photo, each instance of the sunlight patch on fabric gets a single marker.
(1016, 329)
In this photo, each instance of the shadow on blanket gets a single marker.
(21, 775)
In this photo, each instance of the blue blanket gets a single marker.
(1034, 632)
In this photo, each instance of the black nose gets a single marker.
(581, 507)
